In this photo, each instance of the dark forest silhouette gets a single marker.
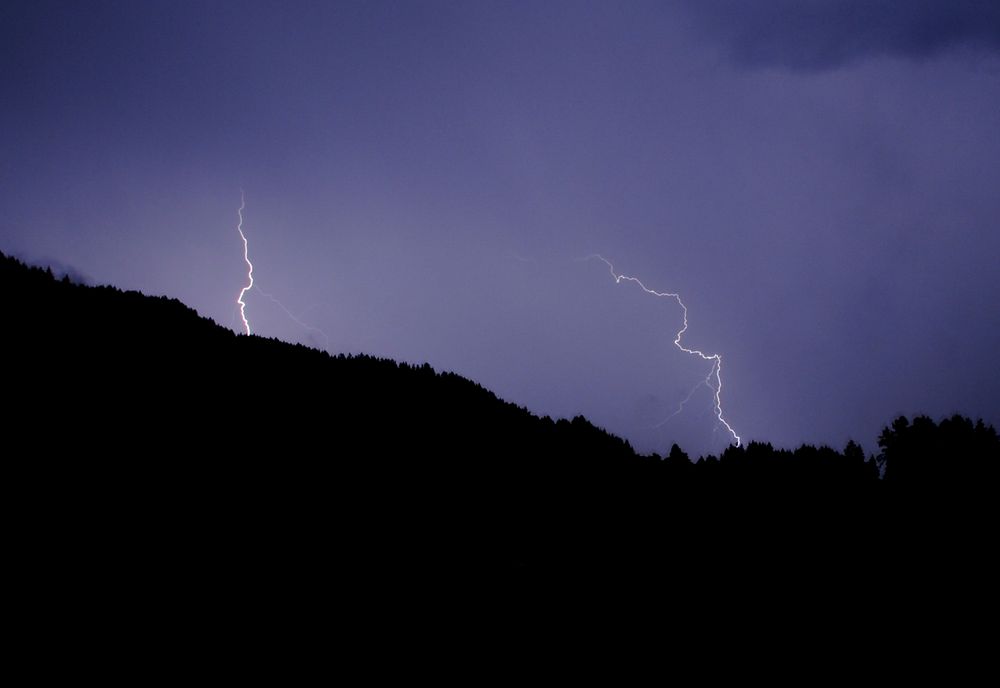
(168, 461)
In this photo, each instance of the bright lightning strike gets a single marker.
(246, 257)
(250, 285)
(716, 371)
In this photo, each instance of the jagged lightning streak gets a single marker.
(716, 359)
(239, 299)
(246, 257)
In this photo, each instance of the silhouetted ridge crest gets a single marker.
(147, 431)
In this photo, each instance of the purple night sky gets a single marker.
(819, 181)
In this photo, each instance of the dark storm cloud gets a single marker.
(824, 34)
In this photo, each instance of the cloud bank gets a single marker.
(814, 35)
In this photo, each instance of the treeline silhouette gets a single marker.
(168, 462)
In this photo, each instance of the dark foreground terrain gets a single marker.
(169, 479)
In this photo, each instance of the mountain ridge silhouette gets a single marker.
(166, 462)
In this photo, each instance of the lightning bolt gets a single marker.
(250, 285)
(246, 257)
(715, 373)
